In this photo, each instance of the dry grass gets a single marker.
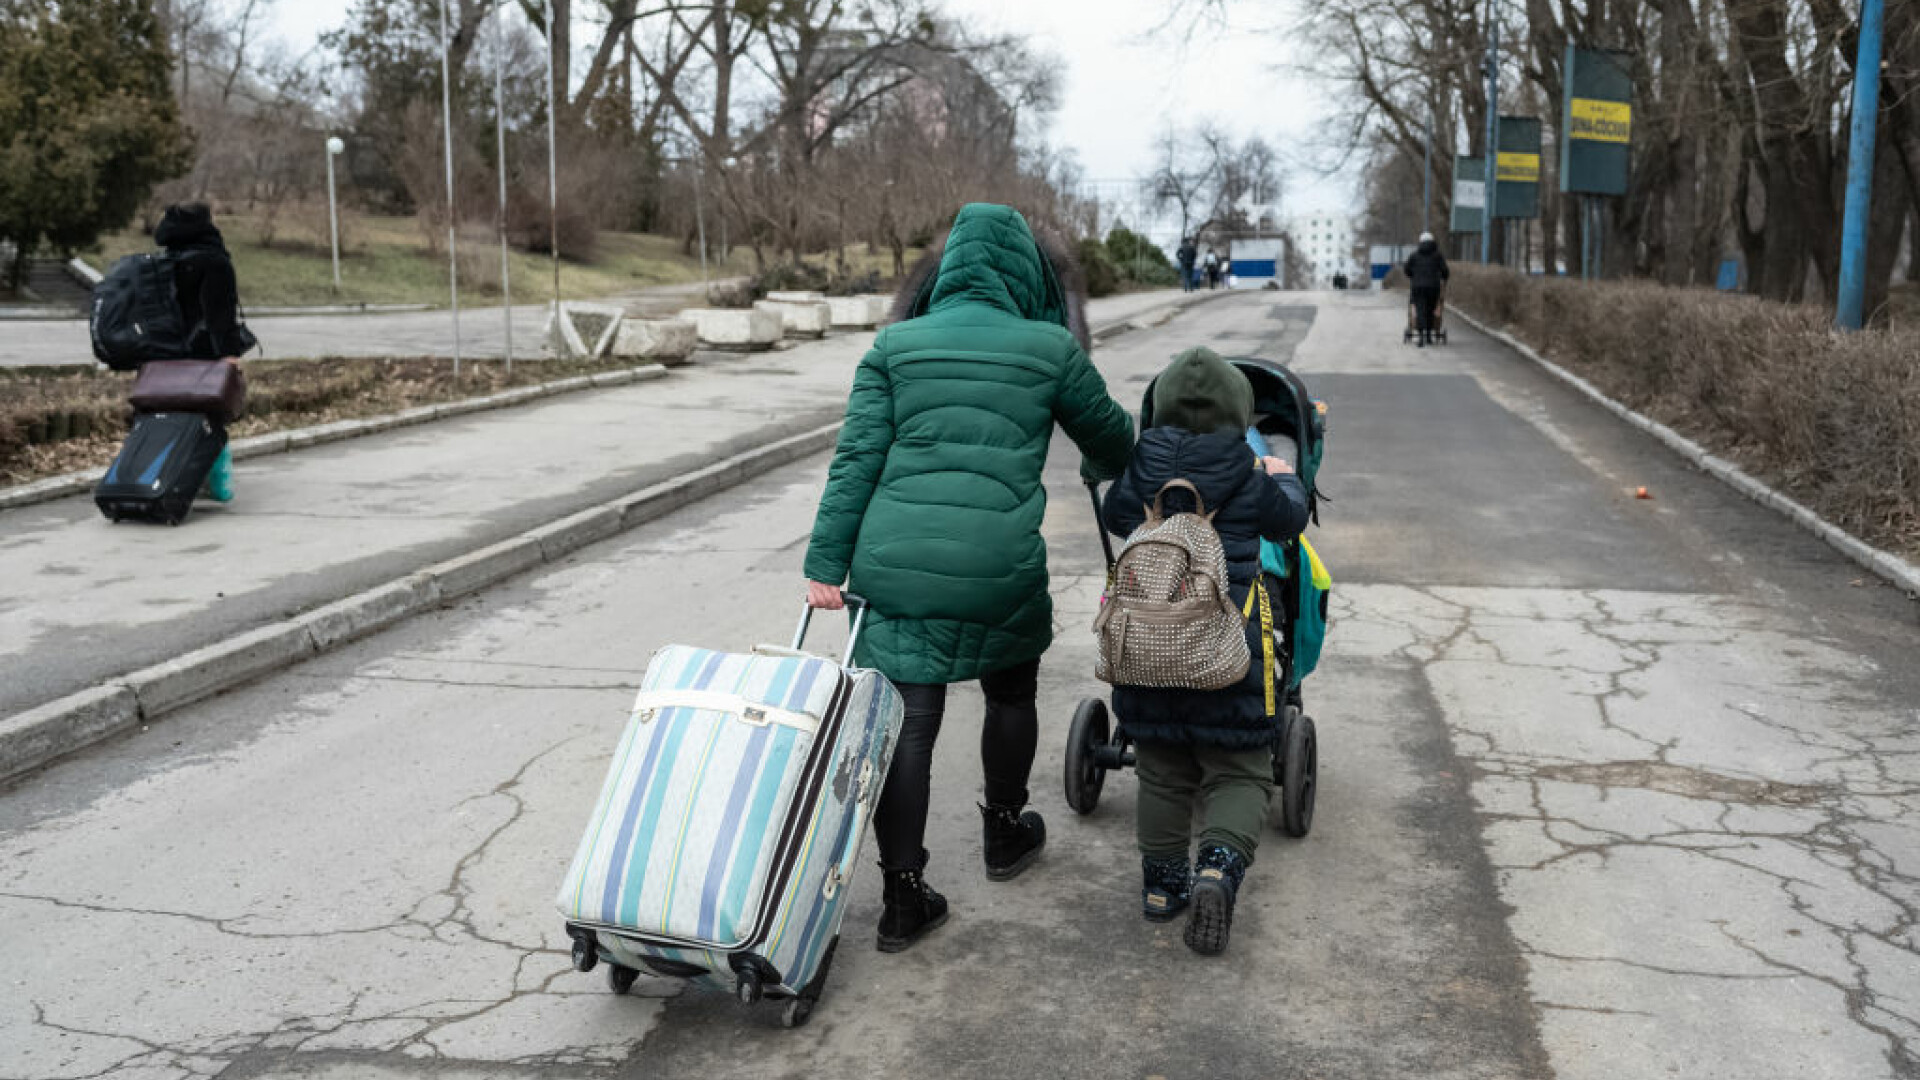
(56, 421)
(1832, 418)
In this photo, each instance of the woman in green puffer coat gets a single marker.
(932, 512)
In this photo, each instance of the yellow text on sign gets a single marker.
(1519, 168)
(1602, 121)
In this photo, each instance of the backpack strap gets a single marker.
(1154, 513)
(1258, 594)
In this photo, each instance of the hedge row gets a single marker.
(1832, 418)
(52, 419)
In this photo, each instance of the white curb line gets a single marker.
(40, 735)
(1897, 571)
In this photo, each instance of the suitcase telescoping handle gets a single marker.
(856, 602)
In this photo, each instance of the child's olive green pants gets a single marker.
(1231, 786)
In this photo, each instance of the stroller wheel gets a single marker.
(1084, 774)
(1298, 769)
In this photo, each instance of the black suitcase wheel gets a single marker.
(585, 953)
(619, 978)
(1084, 775)
(1299, 770)
(797, 1013)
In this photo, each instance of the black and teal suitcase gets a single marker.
(160, 467)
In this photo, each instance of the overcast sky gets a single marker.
(1121, 88)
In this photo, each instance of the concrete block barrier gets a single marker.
(735, 328)
(796, 296)
(808, 319)
(857, 312)
(669, 341)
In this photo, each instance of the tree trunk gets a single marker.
(1800, 217)
(1884, 224)
(1679, 100)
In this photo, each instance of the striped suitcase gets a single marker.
(731, 821)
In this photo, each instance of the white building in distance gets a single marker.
(1325, 240)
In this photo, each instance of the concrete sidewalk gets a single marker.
(87, 601)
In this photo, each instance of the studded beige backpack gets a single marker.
(1167, 619)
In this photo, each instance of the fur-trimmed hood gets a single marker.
(996, 241)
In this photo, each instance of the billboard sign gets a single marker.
(1469, 194)
(1518, 168)
(1596, 122)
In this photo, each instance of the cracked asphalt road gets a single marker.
(1609, 788)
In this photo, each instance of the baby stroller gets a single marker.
(1439, 320)
(1288, 424)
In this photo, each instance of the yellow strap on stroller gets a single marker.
(1321, 579)
(1266, 636)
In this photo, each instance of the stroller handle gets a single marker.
(1106, 542)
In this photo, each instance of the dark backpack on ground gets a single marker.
(136, 314)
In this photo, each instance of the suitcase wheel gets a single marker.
(585, 955)
(798, 1012)
(620, 979)
(748, 986)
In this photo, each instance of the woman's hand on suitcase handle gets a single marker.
(826, 597)
(1275, 466)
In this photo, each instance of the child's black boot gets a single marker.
(912, 910)
(1165, 883)
(1012, 839)
(1217, 874)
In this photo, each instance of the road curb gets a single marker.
(1147, 320)
(48, 732)
(279, 442)
(1896, 571)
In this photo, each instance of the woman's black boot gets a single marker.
(1217, 874)
(912, 909)
(1012, 839)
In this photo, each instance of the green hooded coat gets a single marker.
(933, 503)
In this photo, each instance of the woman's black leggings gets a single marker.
(1007, 741)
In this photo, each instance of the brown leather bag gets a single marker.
(214, 387)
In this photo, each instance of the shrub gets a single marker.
(1140, 261)
(1834, 418)
(1103, 278)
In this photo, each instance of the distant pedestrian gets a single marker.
(932, 511)
(1208, 750)
(209, 296)
(1426, 275)
(1212, 267)
(1186, 256)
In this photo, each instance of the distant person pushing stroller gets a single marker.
(1427, 273)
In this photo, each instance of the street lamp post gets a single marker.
(453, 241)
(1493, 133)
(334, 147)
(500, 131)
(1850, 313)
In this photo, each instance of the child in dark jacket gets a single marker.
(1211, 745)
